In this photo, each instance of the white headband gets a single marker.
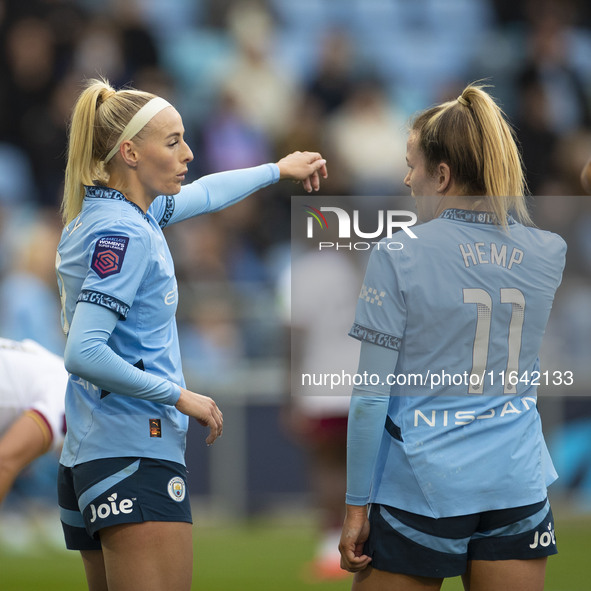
(138, 122)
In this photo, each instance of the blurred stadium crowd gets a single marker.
(254, 80)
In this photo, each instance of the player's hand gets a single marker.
(354, 535)
(205, 410)
(306, 167)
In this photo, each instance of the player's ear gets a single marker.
(443, 174)
(129, 153)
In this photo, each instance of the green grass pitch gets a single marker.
(264, 555)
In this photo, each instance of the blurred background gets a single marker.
(254, 80)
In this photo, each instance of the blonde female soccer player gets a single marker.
(122, 480)
(447, 465)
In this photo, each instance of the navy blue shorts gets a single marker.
(113, 491)
(406, 543)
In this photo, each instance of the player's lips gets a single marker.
(182, 175)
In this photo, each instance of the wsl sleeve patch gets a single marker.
(108, 255)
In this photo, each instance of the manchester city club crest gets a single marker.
(177, 489)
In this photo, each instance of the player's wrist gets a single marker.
(283, 173)
(183, 400)
(356, 510)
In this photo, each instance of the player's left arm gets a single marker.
(217, 191)
(367, 416)
(27, 438)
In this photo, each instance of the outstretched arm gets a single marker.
(222, 189)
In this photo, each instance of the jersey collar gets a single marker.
(98, 192)
(473, 217)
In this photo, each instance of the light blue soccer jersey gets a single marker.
(116, 257)
(465, 306)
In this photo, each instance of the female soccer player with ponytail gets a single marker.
(122, 480)
(447, 465)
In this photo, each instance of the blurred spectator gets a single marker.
(334, 78)
(100, 50)
(550, 63)
(537, 137)
(29, 80)
(321, 292)
(220, 248)
(510, 12)
(367, 142)
(49, 152)
(165, 20)
(230, 141)
(306, 128)
(568, 160)
(29, 303)
(16, 176)
(199, 243)
(139, 47)
(552, 102)
(210, 339)
(265, 94)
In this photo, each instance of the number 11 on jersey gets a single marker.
(484, 306)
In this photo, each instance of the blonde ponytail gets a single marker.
(473, 137)
(99, 116)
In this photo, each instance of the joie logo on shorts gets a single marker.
(112, 507)
(544, 539)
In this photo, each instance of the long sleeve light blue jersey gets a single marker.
(462, 309)
(119, 298)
